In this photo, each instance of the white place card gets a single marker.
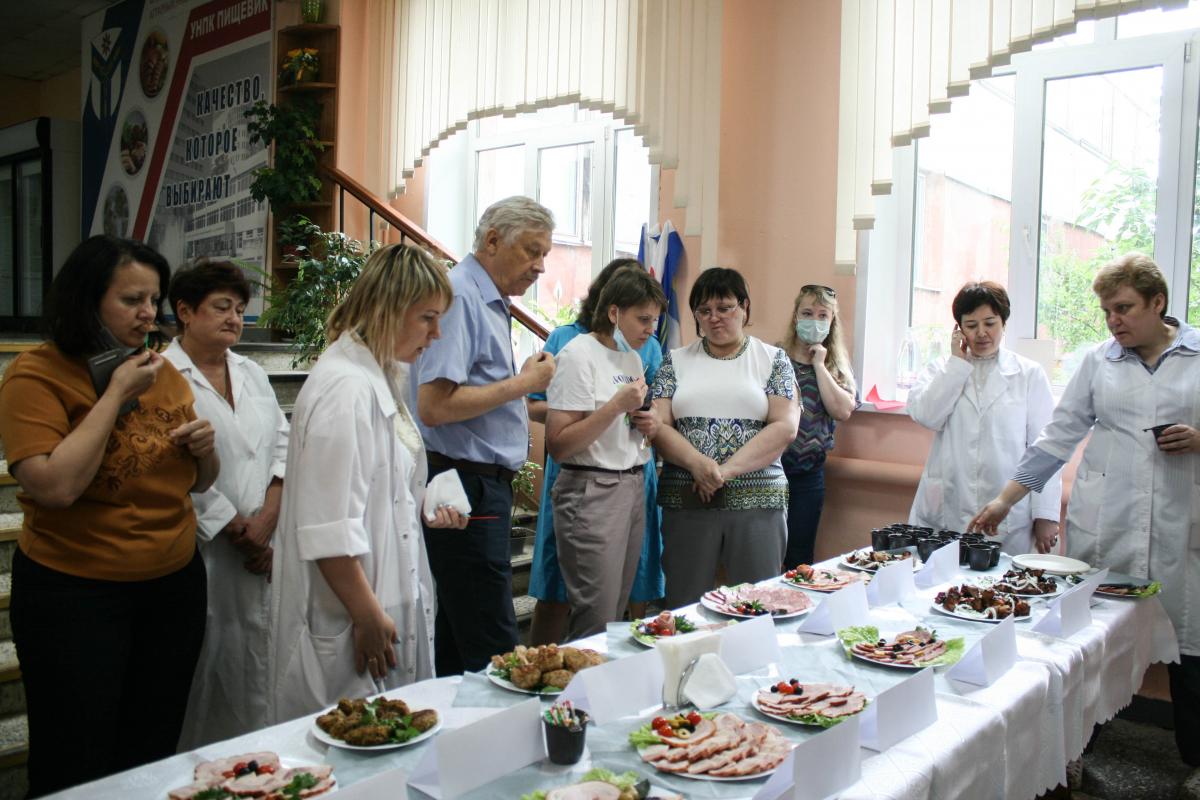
(617, 688)
(750, 645)
(1072, 610)
(891, 584)
(818, 767)
(898, 712)
(990, 658)
(942, 566)
(838, 610)
(466, 758)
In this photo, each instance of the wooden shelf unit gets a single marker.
(326, 39)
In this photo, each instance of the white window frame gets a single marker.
(886, 253)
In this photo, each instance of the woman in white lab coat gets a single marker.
(352, 607)
(1135, 503)
(985, 405)
(237, 515)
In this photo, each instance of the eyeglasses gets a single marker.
(816, 287)
(723, 310)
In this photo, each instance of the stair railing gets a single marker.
(409, 231)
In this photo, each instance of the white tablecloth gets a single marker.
(1009, 740)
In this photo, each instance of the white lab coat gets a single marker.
(1133, 508)
(228, 696)
(354, 488)
(979, 442)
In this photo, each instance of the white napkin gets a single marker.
(677, 652)
(445, 489)
(710, 684)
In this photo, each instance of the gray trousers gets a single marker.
(599, 523)
(749, 544)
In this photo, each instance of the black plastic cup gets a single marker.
(1159, 430)
(926, 546)
(899, 540)
(995, 548)
(879, 538)
(564, 745)
(979, 557)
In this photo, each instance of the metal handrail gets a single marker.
(409, 231)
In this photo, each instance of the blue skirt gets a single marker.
(545, 577)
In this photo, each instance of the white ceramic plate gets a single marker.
(845, 563)
(322, 736)
(852, 577)
(512, 687)
(713, 605)
(713, 778)
(789, 720)
(285, 762)
(972, 618)
(891, 664)
(1057, 565)
(646, 640)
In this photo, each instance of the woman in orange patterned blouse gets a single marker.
(108, 597)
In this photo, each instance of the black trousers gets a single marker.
(806, 497)
(107, 667)
(472, 569)
(1185, 702)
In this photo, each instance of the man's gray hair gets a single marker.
(512, 216)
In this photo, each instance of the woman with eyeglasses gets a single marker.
(825, 387)
(727, 407)
(985, 405)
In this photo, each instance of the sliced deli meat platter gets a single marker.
(714, 747)
(819, 579)
(819, 704)
(750, 601)
(260, 775)
(915, 649)
(869, 560)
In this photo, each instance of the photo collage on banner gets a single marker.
(166, 155)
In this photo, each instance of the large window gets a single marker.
(1079, 151)
(592, 171)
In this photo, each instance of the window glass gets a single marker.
(1148, 23)
(962, 209)
(565, 187)
(499, 173)
(29, 259)
(631, 193)
(1099, 193)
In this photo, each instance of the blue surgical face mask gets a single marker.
(812, 331)
(621, 342)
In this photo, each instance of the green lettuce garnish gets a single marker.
(1150, 591)
(625, 780)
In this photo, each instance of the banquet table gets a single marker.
(1011, 739)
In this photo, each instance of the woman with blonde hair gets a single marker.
(352, 603)
(825, 386)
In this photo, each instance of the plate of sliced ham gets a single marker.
(724, 747)
(261, 775)
(749, 601)
(818, 579)
(821, 704)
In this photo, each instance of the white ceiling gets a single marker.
(42, 37)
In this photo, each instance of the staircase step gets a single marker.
(14, 740)
(523, 606)
(8, 491)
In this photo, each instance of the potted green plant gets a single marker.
(292, 129)
(295, 233)
(302, 64)
(327, 265)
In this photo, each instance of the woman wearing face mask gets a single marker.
(985, 405)
(825, 387)
(545, 578)
(599, 508)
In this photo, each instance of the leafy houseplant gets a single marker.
(292, 128)
(302, 64)
(295, 233)
(328, 264)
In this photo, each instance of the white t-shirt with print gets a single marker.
(586, 376)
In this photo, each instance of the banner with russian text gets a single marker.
(166, 156)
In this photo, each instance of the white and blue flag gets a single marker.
(661, 252)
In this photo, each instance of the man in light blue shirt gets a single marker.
(470, 400)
